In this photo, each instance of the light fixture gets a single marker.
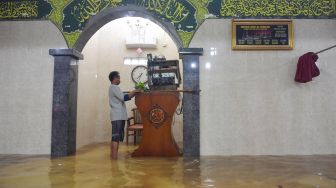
(213, 51)
(208, 65)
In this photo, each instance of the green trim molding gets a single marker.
(71, 16)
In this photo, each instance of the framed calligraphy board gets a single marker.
(262, 35)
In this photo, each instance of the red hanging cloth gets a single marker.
(306, 68)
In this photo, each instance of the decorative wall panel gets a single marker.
(70, 16)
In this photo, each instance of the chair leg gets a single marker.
(139, 134)
(126, 136)
(134, 137)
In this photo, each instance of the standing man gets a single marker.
(118, 112)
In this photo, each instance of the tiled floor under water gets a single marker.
(91, 167)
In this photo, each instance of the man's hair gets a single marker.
(113, 74)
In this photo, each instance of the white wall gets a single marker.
(250, 104)
(26, 82)
(104, 53)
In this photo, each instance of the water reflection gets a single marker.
(191, 172)
(92, 167)
(154, 172)
(62, 172)
(118, 176)
(268, 171)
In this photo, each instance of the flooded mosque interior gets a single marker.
(215, 93)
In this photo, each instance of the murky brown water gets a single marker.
(92, 168)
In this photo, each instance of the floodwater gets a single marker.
(91, 167)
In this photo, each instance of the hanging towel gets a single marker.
(306, 68)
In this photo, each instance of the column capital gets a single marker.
(191, 51)
(66, 52)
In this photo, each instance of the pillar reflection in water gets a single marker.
(62, 172)
(191, 172)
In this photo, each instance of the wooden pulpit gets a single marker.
(157, 110)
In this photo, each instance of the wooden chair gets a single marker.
(134, 127)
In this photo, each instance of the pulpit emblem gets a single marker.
(157, 116)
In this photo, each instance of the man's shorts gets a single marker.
(118, 130)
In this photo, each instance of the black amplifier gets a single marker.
(163, 81)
